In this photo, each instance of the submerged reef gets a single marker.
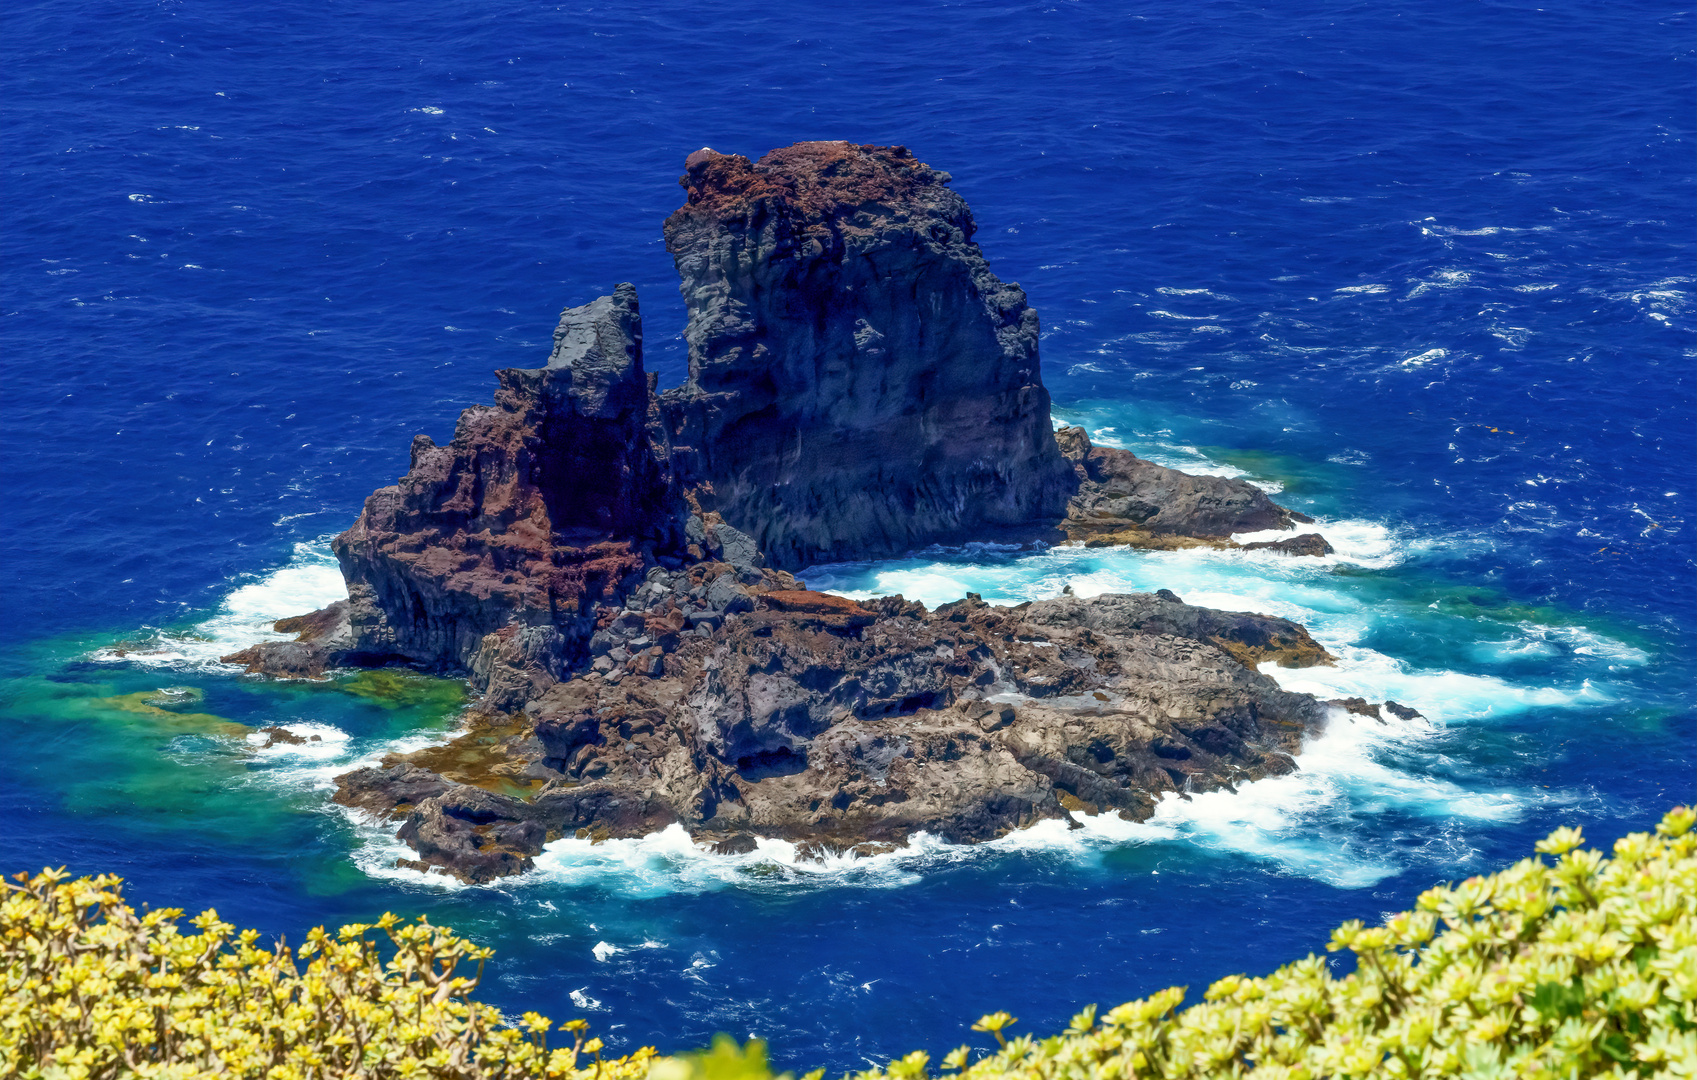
(612, 566)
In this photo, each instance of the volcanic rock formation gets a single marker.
(839, 725)
(539, 506)
(609, 565)
(860, 383)
(1122, 499)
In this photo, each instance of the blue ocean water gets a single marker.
(1425, 271)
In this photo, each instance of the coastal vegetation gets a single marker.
(1579, 965)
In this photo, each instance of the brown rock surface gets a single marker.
(539, 506)
(818, 719)
(604, 561)
(323, 640)
(1122, 499)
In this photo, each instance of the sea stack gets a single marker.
(860, 382)
(610, 566)
(539, 506)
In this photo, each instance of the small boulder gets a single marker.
(283, 660)
(739, 844)
(1306, 544)
(727, 595)
(738, 548)
(1358, 706)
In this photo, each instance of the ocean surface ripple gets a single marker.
(1427, 274)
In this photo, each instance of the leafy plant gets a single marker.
(91, 989)
(1581, 967)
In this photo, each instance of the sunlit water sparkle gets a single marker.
(1425, 275)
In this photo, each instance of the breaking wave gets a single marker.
(310, 580)
(1306, 823)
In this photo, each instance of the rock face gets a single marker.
(607, 563)
(323, 640)
(1306, 544)
(860, 383)
(818, 719)
(1123, 499)
(538, 507)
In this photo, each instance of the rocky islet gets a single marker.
(611, 566)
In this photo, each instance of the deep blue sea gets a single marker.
(1424, 270)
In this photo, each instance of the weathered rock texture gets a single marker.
(817, 719)
(323, 640)
(539, 506)
(1122, 499)
(605, 562)
(860, 383)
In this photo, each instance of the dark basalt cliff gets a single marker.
(860, 383)
(605, 561)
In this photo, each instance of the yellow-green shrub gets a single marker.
(91, 989)
(1585, 967)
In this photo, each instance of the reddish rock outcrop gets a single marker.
(541, 504)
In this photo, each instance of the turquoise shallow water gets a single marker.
(1426, 274)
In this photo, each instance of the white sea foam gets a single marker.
(1159, 314)
(669, 861)
(1443, 695)
(308, 582)
(1305, 822)
(1187, 459)
(1166, 290)
(1367, 544)
(1440, 279)
(1427, 357)
(324, 743)
(312, 769)
(584, 1001)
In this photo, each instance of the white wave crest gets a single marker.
(1445, 696)
(322, 742)
(1305, 821)
(309, 581)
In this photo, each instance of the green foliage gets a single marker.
(1581, 967)
(1586, 967)
(88, 988)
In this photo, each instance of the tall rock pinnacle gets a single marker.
(539, 504)
(860, 383)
